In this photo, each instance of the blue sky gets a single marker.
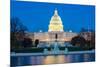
(36, 15)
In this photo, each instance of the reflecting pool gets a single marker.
(52, 59)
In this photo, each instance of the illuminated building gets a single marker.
(55, 31)
(55, 23)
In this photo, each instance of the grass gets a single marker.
(38, 50)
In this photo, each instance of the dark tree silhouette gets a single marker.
(17, 30)
(17, 26)
(90, 39)
(91, 43)
(36, 42)
(27, 43)
(78, 41)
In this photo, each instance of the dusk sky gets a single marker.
(36, 15)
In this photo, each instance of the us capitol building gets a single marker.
(55, 31)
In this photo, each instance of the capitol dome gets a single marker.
(55, 23)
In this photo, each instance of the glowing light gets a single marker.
(70, 30)
(40, 31)
(55, 23)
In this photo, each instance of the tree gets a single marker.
(36, 42)
(78, 41)
(17, 30)
(17, 26)
(27, 43)
(91, 43)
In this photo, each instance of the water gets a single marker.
(55, 50)
(53, 59)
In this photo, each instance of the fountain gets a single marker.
(66, 50)
(45, 51)
(55, 49)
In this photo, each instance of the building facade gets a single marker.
(55, 31)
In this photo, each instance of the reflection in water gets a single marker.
(36, 60)
(60, 59)
(54, 59)
(49, 60)
(86, 57)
